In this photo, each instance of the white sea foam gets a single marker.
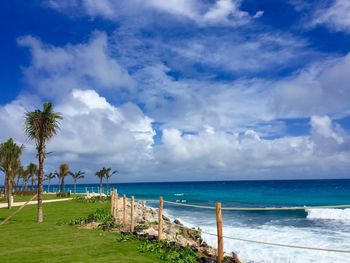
(257, 253)
(329, 214)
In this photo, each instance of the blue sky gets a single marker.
(183, 89)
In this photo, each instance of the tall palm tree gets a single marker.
(10, 153)
(108, 173)
(76, 176)
(32, 170)
(41, 126)
(49, 177)
(19, 175)
(57, 174)
(25, 177)
(100, 174)
(64, 171)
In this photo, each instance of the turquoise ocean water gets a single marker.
(325, 228)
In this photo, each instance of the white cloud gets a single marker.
(336, 16)
(56, 70)
(93, 133)
(201, 12)
(318, 89)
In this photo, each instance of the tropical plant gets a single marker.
(100, 174)
(10, 154)
(108, 173)
(76, 176)
(32, 170)
(41, 126)
(19, 174)
(49, 177)
(63, 171)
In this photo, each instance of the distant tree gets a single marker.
(63, 171)
(100, 174)
(49, 177)
(108, 173)
(76, 176)
(41, 126)
(10, 154)
(19, 175)
(25, 177)
(32, 170)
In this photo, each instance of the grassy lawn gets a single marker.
(22, 198)
(24, 240)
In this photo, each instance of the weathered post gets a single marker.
(116, 207)
(160, 218)
(112, 203)
(219, 232)
(124, 210)
(132, 214)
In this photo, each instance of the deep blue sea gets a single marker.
(325, 228)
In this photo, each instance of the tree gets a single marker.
(49, 177)
(57, 174)
(25, 177)
(63, 171)
(108, 174)
(10, 154)
(100, 174)
(19, 174)
(41, 126)
(76, 176)
(32, 170)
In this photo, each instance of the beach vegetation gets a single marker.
(41, 126)
(76, 176)
(10, 154)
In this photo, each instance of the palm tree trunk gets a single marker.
(32, 182)
(75, 184)
(63, 190)
(9, 191)
(100, 186)
(40, 183)
(48, 187)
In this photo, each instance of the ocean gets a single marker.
(323, 228)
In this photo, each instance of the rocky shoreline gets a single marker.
(146, 226)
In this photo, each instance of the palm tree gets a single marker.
(41, 126)
(57, 174)
(25, 178)
(76, 176)
(19, 175)
(49, 177)
(100, 174)
(108, 174)
(32, 170)
(64, 171)
(10, 153)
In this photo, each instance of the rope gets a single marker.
(267, 243)
(19, 209)
(259, 208)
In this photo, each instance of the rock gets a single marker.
(177, 222)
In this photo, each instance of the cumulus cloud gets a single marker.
(56, 70)
(335, 15)
(93, 132)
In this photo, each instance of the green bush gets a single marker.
(62, 194)
(168, 252)
(95, 199)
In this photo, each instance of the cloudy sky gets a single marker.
(182, 89)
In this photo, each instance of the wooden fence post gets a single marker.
(219, 232)
(112, 203)
(116, 207)
(132, 214)
(124, 210)
(160, 218)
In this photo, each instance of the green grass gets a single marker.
(22, 239)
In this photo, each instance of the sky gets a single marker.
(182, 90)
